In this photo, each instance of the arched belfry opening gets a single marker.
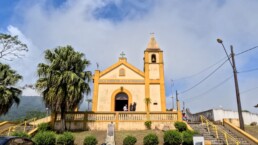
(121, 100)
(153, 58)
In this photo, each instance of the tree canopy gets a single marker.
(11, 47)
(63, 80)
(8, 93)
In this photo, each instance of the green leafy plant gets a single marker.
(147, 124)
(45, 138)
(129, 140)
(20, 134)
(151, 139)
(90, 140)
(66, 138)
(180, 126)
(172, 137)
(44, 127)
(187, 137)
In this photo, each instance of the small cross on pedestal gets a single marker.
(122, 54)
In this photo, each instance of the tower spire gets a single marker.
(152, 43)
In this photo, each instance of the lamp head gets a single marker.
(219, 41)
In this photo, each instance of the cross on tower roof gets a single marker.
(122, 54)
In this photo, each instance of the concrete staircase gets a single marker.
(202, 130)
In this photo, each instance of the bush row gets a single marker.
(171, 137)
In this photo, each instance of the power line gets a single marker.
(250, 70)
(204, 78)
(248, 90)
(211, 89)
(205, 69)
(247, 50)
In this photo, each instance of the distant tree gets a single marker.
(63, 81)
(8, 93)
(11, 47)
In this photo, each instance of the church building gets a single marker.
(123, 84)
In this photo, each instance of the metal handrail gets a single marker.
(217, 130)
(11, 128)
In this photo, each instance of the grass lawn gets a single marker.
(252, 130)
(119, 136)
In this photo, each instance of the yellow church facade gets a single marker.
(123, 84)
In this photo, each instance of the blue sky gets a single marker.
(185, 30)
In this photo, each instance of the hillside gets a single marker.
(27, 104)
(30, 104)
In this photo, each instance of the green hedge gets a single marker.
(172, 137)
(66, 138)
(180, 126)
(151, 139)
(45, 138)
(44, 127)
(129, 140)
(90, 140)
(20, 134)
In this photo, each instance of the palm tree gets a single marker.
(63, 81)
(148, 102)
(8, 94)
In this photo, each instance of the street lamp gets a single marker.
(241, 120)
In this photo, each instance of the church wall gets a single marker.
(129, 74)
(154, 71)
(155, 98)
(106, 91)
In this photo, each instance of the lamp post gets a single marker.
(241, 120)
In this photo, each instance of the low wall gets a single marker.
(248, 117)
(122, 120)
(220, 114)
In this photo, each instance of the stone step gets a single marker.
(202, 129)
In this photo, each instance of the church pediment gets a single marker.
(122, 70)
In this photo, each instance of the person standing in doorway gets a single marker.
(131, 107)
(125, 107)
(134, 106)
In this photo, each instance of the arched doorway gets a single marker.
(120, 100)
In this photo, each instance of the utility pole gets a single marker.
(177, 102)
(241, 120)
(172, 98)
(233, 65)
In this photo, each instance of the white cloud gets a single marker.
(186, 31)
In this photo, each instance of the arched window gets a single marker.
(122, 72)
(153, 58)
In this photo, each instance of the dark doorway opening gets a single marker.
(120, 105)
(121, 101)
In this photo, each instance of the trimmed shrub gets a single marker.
(44, 127)
(253, 124)
(66, 138)
(129, 140)
(188, 137)
(151, 139)
(180, 126)
(45, 138)
(147, 124)
(172, 137)
(90, 140)
(20, 134)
